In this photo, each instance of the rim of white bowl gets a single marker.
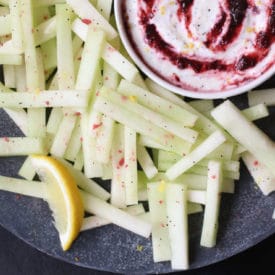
(192, 94)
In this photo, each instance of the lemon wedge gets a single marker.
(62, 196)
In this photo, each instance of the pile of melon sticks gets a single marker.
(75, 94)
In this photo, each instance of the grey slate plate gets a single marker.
(245, 220)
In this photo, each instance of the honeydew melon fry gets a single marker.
(64, 98)
(27, 171)
(146, 162)
(105, 8)
(106, 132)
(261, 96)
(167, 159)
(79, 161)
(94, 221)
(75, 142)
(211, 213)
(92, 168)
(251, 137)
(105, 210)
(7, 48)
(20, 78)
(4, 2)
(25, 187)
(65, 58)
(140, 125)
(47, 3)
(208, 146)
(202, 170)
(151, 143)
(63, 136)
(177, 215)
(49, 54)
(11, 59)
(33, 67)
(104, 140)
(9, 76)
(157, 103)
(41, 14)
(130, 164)
(16, 27)
(196, 196)
(90, 59)
(256, 112)
(261, 175)
(88, 185)
(202, 106)
(86, 11)
(5, 23)
(202, 124)
(160, 234)
(192, 181)
(46, 31)
(118, 193)
(160, 120)
(110, 54)
(21, 146)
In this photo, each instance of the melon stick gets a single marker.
(211, 213)
(21, 146)
(177, 215)
(160, 234)
(261, 175)
(246, 133)
(130, 103)
(130, 164)
(25, 187)
(118, 195)
(95, 221)
(187, 162)
(105, 210)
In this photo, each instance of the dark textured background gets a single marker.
(18, 258)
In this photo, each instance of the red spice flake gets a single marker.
(119, 151)
(124, 98)
(81, 139)
(79, 58)
(213, 177)
(97, 93)
(126, 166)
(45, 17)
(121, 162)
(106, 78)
(255, 163)
(6, 139)
(18, 197)
(162, 225)
(86, 21)
(96, 126)
(77, 113)
(47, 103)
(160, 201)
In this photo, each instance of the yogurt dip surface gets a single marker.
(202, 45)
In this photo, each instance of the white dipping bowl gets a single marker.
(189, 93)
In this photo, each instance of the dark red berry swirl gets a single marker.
(203, 45)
